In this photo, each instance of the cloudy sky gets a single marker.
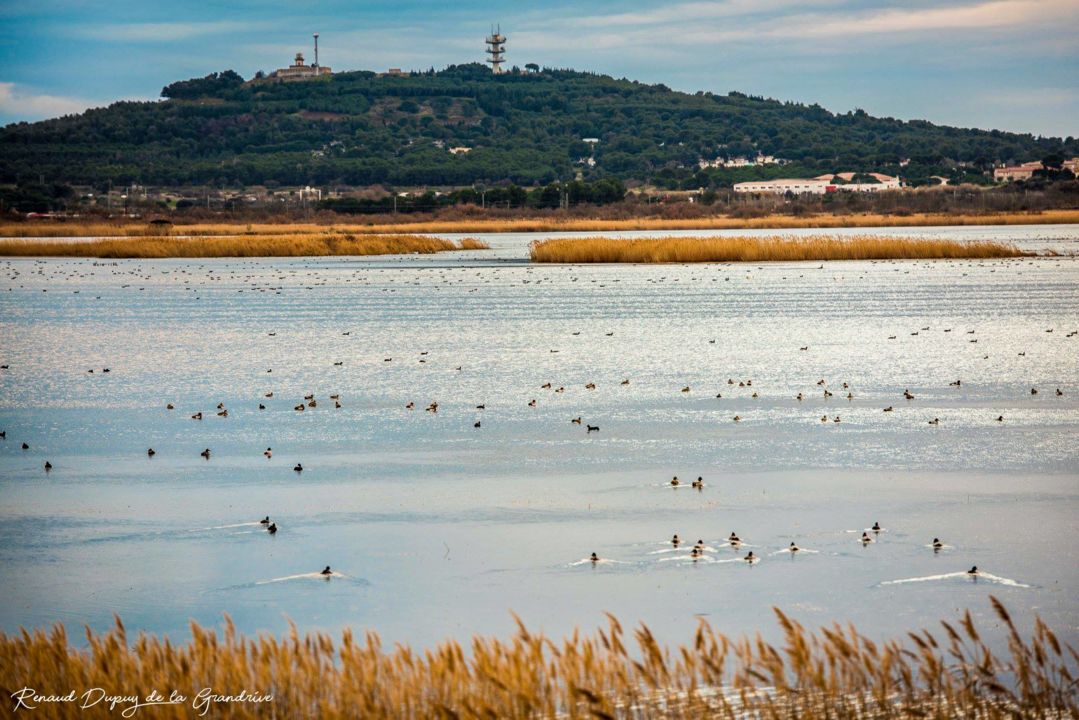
(1008, 64)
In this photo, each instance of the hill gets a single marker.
(358, 128)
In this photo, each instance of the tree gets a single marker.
(532, 67)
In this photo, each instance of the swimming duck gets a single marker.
(625, 382)
(150, 452)
(169, 407)
(1059, 393)
(973, 570)
(750, 557)
(675, 482)
(25, 446)
(265, 520)
(261, 406)
(935, 421)
(799, 397)
(545, 386)
(1000, 418)
(205, 453)
(410, 406)
(326, 571)
(907, 394)
(594, 558)
(937, 544)
(738, 418)
(685, 389)
(695, 553)
(298, 468)
(476, 424)
(865, 538)
(793, 548)
(272, 528)
(876, 527)
(268, 452)
(576, 420)
(532, 402)
(197, 416)
(269, 394)
(889, 409)
(1033, 391)
(590, 386)
(675, 541)
(337, 404)
(734, 539)
(299, 408)
(698, 483)
(48, 466)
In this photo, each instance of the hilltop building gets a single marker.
(300, 71)
(1025, 171)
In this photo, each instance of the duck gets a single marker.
(576, 420)
(594, 558)
(695, 552)
(937, 544)
(261, 406)
(337, 404)
(170, 407)
(48, 466)
(269, 395)
(1059, 393)
(876, 527)
(973, 570)
(889, 409)
(272, 528)
(298, 468)
(793, 548)
(675, 482)
(824, 418)
(326, 571)
(410, 406)
(750, 557)
(268, 452)
(545, 386)
(592, 428)
(205, 453)
(197, 416)
(675, 540)
(734, 539)
(265, 520)
(1033, 391)
(698, 483)
(685, 389)
(625, 382)
(865, 538)
(907, 394)
(476, 424)
(590, 386)
(836, 419)
(799, 397)
(299, 408)
(532, 402)
(935, 421)
(1000, 418)
(150, 452)
(25, 446)
(738, 418)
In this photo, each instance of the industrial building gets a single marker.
(833, 182)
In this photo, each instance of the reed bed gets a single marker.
(309, 244)
(537, 224)
(833, 673)
(758, 249)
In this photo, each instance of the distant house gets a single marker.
(835, 182)
(460, 150)
(1011, 173)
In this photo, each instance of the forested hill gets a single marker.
(358, 128)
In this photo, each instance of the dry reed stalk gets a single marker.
(240, 246)
(834, 673)
(758, 249)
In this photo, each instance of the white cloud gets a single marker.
(165, 32)
(22, 105)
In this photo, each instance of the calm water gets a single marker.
(442, 529)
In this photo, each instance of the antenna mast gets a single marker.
(316, 51)
(496, 48)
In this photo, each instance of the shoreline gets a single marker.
(534, 224)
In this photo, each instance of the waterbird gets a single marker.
(738, 418)
(593, 428)
(268, 452)
(298, 468)
(957, 383)
(675, 541)
(48, 466)
(545, 386)
(272, 528)
(973, 570)
(733, 539)
(675, 482)
(261, 406)
(685, 389)
(594, 558)
(1059, 393)
(590, 386)
(698, 483)
(25, 446)
(1033, 391)
(150, 452)
(265, 520)
(889, 409)
(1000, 418)
(907, 395)
(476, 424)
(935, 421)
(532, 402)
(169, 407)
(326, 571)
(865, 538)
(410, 406)
(750, 558)
(876, 527)
(205, 453)
(197, 416)
(3, 434)
(793, 548)
(625, 382)
(937, 544)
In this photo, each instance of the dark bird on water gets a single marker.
(326, 571)
(150, 452)
(298, 468)
(272, 528)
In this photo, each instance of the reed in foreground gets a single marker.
(758, 249)
(310, 244)
(82, 228)
(833, 673)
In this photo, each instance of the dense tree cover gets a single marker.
(358, 128)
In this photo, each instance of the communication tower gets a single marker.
(496, 48)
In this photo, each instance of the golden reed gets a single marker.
(758, 249)
(834, 673)
(75, 228)
(239, 246)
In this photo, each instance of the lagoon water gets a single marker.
(438, 529)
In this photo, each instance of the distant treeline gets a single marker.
(601, 192)
(359, 129)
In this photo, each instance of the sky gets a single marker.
(1003, 64)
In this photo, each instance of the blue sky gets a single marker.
(1007, 64)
